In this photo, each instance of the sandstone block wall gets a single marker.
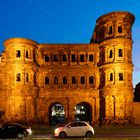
(136, 113)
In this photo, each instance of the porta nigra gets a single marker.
(53, 83)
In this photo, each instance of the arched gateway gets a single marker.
(83, 112)
(56, 114)
(49, 82)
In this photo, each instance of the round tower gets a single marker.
(20, 68)
(113, 32)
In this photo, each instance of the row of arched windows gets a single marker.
(110, 29)
(73, 57)
(120, 77)
(120, 53)
(27, 77)
(113, 54)
(58, 57)
(27, 54)
(56, 80)
(73, 80)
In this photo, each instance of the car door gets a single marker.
(72, 129)
(11, 130)
(4, 131)
(82, 127)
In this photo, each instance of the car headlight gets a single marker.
(56, 131)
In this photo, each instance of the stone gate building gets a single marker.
(83, 81)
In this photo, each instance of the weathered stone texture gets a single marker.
(36, 76)
(136, 108)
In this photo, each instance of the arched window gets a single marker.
(110, 30)
(90, 57)
(18, 77)
(64, 80)
(82, 80)
(55, 80)
(55, 58)
(120, 53)
(119, 29)
(120, 76)
(47, 80)
(64, 58)
(73, 80)
(18, 53)
(111, 76)
(91, 80)
(110, 54)
(73, 58)
(27, 77)
(81, 57)
(47, 58)
(27, 54)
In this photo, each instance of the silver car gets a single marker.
(75, 129)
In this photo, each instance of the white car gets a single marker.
(75, 129)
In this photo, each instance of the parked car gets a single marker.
(14, 130)
(75, 129)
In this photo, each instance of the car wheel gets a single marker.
(89, 134)
(62, 135)
(20, 135)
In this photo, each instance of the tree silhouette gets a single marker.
(137, 93)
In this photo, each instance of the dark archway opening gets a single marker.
(56, 114)
(83, 112)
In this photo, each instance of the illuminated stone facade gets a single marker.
(34, 77)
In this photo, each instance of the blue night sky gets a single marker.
(64, 21)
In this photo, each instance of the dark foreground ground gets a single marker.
(110, 132)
